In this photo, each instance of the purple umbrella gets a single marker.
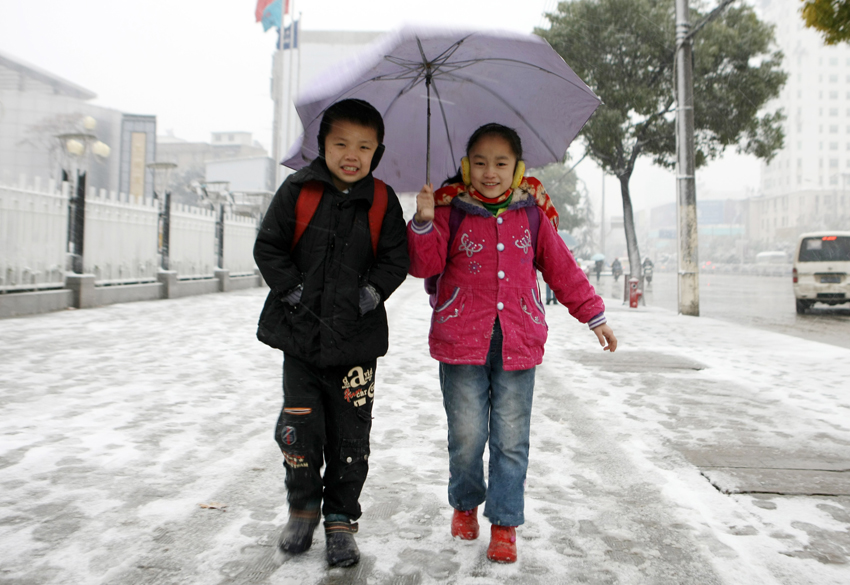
(461, 79)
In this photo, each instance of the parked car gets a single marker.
(821, 271)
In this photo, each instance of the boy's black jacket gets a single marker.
(332, 260)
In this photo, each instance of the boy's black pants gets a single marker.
(326, 416)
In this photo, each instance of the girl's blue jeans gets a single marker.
(486, 405)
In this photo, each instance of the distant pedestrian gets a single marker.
(647, 270)
(616, 269)
(488, 327)
(598, 268)
(326, 312)
(550, 296)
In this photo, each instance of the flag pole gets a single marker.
(277, 87)
(298, 79)
(289, 105)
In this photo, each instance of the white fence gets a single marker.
(120, 239)
(191, 249)
(239, 235)
(33, 235)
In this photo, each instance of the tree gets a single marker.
(573, 205)
(561, 183)
(830, 17)
(625, 51)
(42, 138)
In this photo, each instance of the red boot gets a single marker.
(465, 524)
(502, 547)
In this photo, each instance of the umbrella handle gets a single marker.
(428, 133)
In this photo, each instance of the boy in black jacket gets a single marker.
(326, 313)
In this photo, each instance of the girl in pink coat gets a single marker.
(485, 235)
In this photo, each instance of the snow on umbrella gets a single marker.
(461, 79)
(597, 257)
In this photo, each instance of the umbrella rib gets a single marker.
(351, 90)
(465, 64)
(449, 51)
(445, 122)
(519, 115)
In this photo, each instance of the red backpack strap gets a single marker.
(305, 208)
(377, 212)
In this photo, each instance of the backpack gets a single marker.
(310, 196)
(455, 218)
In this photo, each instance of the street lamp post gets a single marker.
(217, 193)
(78, 146)
(161, 176)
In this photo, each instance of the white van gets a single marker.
(763, 258)
(822, 269)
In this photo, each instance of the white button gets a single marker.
(501, 274)
(500, 246)
(500, 305)
(348, 460)
(499, 220)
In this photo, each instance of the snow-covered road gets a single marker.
(136, 447)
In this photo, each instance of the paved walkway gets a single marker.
(136, 447)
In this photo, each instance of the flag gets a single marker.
(272, 16)
(261, 6)
(288, 41)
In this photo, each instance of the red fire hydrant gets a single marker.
(634, 292)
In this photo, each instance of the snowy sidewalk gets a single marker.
(136, 447)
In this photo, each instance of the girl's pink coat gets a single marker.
(471, 289)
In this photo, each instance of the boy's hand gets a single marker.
(369, 299)
(425, 205)
(293, 297)
(606, 334)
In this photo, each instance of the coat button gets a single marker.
(501, 274)
(500, 220)
(500, 246)
(500, 305)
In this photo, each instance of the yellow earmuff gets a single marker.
(518, 174)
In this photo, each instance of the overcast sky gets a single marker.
(204, 65)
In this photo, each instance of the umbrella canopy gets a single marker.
(435, 87)
(597, 257)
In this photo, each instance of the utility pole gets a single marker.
(685, 182)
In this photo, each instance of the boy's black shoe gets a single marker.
(297, 535)
(340, 547)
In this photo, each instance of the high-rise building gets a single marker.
(807, 184)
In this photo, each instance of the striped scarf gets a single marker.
(530, 186)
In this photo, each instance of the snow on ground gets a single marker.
(119, 423)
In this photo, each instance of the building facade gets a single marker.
(229, 157)
(807, 184)
(38, 108)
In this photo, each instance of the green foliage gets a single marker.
(572, 203)
(560, 183)
(625, 51)
(830, 17)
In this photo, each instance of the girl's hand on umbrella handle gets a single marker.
(425, 205)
